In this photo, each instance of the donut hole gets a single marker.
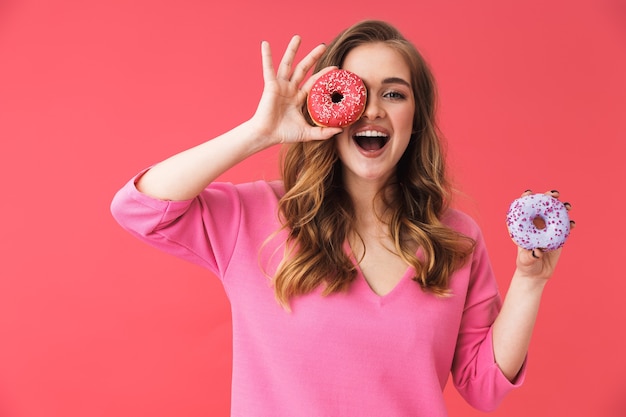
(336, 97)
(539, 223)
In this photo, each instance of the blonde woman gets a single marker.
(355, 289)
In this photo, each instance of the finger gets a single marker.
(568, 207)
(307, 63)
(527, 192)
(553, 193)
(284, 69)
(267, 62)
(324, 133)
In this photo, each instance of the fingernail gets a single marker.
(554, 191)
(527, 191)
(567, 204)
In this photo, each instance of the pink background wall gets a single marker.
(94, 323)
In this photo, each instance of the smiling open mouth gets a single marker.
(370, 140)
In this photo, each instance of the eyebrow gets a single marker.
(396, 80)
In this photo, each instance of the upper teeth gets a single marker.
(371, 133)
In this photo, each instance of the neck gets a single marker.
(368, 201)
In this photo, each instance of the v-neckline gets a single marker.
(361, 280)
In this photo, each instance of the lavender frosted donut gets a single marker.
(337, 99)
(526, 234)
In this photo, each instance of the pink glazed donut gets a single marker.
(337, 99)
(520, 222)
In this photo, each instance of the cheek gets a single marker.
(402, 120)
(406, 118)
(404, 128)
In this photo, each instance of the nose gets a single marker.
(373, 109)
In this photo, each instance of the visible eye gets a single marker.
(394, 95)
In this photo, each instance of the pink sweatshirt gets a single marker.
(348, 354)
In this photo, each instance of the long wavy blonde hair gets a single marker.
(319, 215)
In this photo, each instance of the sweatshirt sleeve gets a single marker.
(183, 228)
(475, 373)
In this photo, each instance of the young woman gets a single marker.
(355, 289)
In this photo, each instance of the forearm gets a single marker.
(186, 174)
(514, 325)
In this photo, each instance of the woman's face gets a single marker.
(371, 148)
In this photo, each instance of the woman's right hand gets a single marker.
(279, 117)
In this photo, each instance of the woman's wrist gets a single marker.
(527, 283)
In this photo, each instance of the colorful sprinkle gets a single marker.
(523, 231)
